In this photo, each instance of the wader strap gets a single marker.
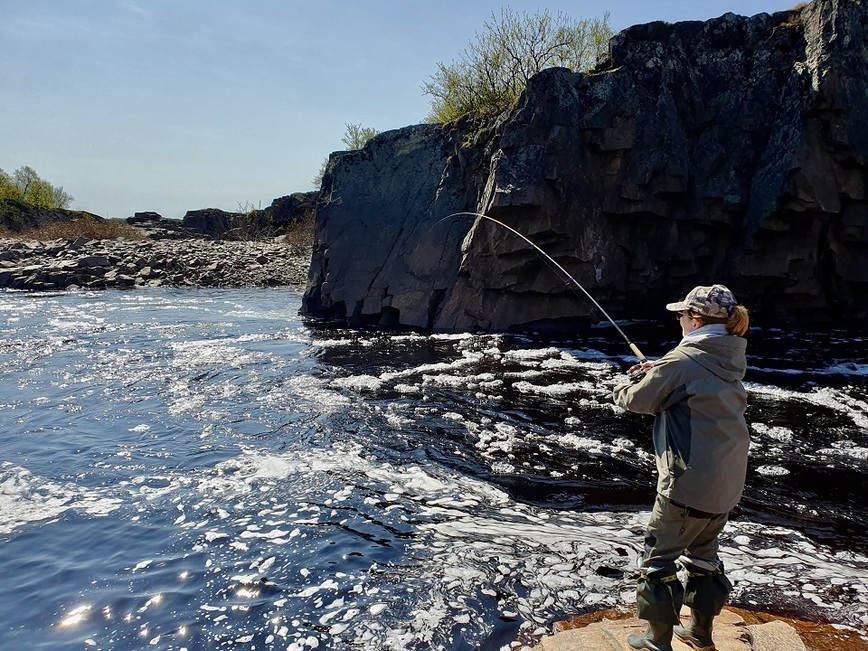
(707, 592)
(659, 599)
(695, 513)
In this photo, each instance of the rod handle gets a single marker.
(638, 352)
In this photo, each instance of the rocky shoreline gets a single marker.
(84, 263)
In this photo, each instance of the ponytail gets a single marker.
(738, 321)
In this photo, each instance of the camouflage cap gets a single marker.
(715, 301)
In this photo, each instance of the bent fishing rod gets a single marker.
(633, 347)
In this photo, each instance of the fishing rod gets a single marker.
(633, 347)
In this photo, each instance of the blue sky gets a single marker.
(174, 105)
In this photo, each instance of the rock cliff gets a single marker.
(732, 150)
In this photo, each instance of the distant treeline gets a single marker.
(27, 186)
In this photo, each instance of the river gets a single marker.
(201, 469)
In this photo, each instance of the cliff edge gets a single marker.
(732, 150)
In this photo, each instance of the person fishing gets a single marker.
(701, 444)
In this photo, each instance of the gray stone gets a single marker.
(94, 261)
(775, 636)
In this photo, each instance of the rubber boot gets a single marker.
(658, 637)
(697, 634)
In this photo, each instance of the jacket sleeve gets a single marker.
(648, 394)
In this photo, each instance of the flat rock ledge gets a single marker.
(112, 264)
(734, 630)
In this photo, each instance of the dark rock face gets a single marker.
(730, 151)
(373, 262)
(211, 222)
(291, 209)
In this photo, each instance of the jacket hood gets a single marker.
(723, 356)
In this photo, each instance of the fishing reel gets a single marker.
(637, 372)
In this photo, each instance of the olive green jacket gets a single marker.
(701, 438)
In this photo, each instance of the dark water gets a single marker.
(197, 469)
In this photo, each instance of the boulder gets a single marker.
(147, 217)
(290, 210)
(731, 150)
(211, 222)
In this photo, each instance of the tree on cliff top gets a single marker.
(492, 71)
(355, 137)
(27, 186)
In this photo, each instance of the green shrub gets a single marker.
(493, 70)
(27, 186)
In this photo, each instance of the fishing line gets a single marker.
(557, 266)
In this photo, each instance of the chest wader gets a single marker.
(706, 592)
(659, 595)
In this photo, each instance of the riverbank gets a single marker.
(83, 263)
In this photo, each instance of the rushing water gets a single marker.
(199, 469)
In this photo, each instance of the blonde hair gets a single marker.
(738, 321)
(736, 324)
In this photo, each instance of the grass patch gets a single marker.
(299, 236)
(92, 229)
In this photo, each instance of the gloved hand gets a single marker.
(638, 371)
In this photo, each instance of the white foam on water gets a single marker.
(518, 368)
(211, 352)
(533, 356)
(772, 471)
(304, 390)
(831, 398)
(332, 343)
(847, 448)
(358, 383)
(531, 563)
(454, 337)
(847, 368)
(776, 433)
(784, 560)
(558, 390)
(27, 499)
